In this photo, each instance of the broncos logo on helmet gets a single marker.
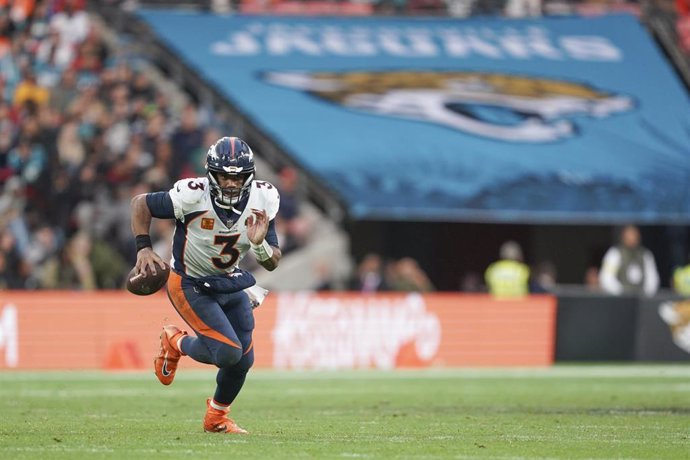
(230, 155)
(505, 107)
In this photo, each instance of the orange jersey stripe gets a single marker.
(185, 310)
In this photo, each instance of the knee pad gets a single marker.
(246, 362)
(241, 368)
(227, 356)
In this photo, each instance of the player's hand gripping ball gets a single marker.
(140, 285)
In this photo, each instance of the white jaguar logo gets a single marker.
(498, 106)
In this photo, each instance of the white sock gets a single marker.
(179, 343)
(217, 406)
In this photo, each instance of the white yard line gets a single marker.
(558, 371)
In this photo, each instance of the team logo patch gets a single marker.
(677, 316)
(207, 223)
(504, 107)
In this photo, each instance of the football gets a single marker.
(140, 285)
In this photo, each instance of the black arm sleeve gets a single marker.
(271, 237)
(160, 204)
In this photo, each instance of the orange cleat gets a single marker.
(217, 421)
(165, 364)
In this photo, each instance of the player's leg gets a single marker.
(229, 382)
(216, 341)
(230, 379)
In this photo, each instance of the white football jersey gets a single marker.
(203, 245)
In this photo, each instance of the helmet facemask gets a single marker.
(228, 197)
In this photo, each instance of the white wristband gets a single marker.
(262, 251)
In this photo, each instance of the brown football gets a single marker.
(137, 284)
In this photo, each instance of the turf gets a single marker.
(563, 412)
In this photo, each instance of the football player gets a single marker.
(219, 219)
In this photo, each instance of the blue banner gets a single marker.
(547, 120)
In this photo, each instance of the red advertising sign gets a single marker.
(294, 330)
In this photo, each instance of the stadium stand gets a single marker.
(92, 115)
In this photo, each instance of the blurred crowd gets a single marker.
(374, 274)
(626, 268)
(82, 130)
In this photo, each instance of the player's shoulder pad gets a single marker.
(189, 191)
(269, 196)
(188, 195)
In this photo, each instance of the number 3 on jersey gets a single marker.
(228, 242)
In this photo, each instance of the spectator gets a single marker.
(12, 200)
(64, 193)
(50, 56)
(592, 278)
(369, 275)
(109, 267)
(142, 87)
(509, 276)
(681, 280)
(543, 279)
(7, 30)
(185, 140)
(42, 256)
(72, 25)
(4, 272)
(471, 282)
(29, 91)
(74, 270)
(14, 271)
(197, 158)
(65, 91)
(629, 268)
(27, 160)
(406, 275)
(70, 149)
(292, 226)
(91, 54)
(162, 234)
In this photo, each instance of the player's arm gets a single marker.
(143, 208)
(263, 239)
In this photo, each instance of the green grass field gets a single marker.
(563, 412)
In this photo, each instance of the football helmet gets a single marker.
(230, 155)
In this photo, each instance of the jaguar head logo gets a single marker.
(677, 316)
(498, 106)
